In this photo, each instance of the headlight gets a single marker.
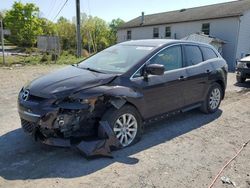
(242, 65)
(90, 101)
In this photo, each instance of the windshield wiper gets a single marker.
(92, 70)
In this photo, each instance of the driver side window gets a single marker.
(171, 58)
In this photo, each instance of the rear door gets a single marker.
(198, 70)
(163, 93)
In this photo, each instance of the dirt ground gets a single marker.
(187, 150)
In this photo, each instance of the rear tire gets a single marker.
(240, 79)
(213, 99)
(126, 123)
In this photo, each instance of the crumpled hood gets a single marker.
(66, 81)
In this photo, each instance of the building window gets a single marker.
(168, 32)
(156, 32)
(129, 35)
(206, 28)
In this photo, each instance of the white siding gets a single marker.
(225, 29)
(244, 36)
(121, 35)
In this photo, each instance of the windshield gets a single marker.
(116, 59)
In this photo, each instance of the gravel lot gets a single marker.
(187, 150)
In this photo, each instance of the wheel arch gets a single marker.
(131, 104)
(120, 102)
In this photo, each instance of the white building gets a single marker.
(229, 22)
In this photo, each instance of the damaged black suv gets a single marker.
(124, 85)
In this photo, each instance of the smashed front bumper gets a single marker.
(75, 126)
(243, 72)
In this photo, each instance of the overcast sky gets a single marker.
(110, 9)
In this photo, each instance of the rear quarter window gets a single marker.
(208, 53)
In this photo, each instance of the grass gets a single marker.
(64, 58)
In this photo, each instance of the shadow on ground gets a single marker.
(246, 84)
(22, 158)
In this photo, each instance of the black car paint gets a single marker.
(67, 81)
(152, 95)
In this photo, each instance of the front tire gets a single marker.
(213, 99)
(126, 123)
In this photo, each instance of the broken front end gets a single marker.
(69, 121)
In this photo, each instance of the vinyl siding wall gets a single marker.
(226, 29)
(244, 36)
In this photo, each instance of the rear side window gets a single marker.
(193, 55)
(208, 53)
(171, 58)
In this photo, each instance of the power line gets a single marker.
(52, 8)
(60, 10)
(89, 12)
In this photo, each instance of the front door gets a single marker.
(163, 93)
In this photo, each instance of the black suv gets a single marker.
(243, 69)
(124, 85)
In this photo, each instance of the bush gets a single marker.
(44, 58)
(85, 53)
(31, 50)
(54, 57)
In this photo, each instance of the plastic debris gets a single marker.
(102, 146)
(227, 181)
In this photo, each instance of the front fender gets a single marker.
(113, 91)
(118, 95)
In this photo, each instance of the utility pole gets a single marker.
(78, 27)
(2, 40)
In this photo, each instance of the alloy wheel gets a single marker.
(214, 99)
(125, 129)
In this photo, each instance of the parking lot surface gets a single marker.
(186, 150)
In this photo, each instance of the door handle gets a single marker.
(181, 78)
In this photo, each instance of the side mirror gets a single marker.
(155, 69)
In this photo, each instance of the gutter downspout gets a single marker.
(237, 43)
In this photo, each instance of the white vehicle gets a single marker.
(243, 69)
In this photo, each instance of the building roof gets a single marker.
(203, 38)
(222, 10)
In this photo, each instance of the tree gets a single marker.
(48, 27)
(83, 18)
(24, 24)
(2, 14)
(95, 33)
(114, 25)
(67, 33)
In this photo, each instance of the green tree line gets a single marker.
(25, 24)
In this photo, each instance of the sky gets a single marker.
(109, 9)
